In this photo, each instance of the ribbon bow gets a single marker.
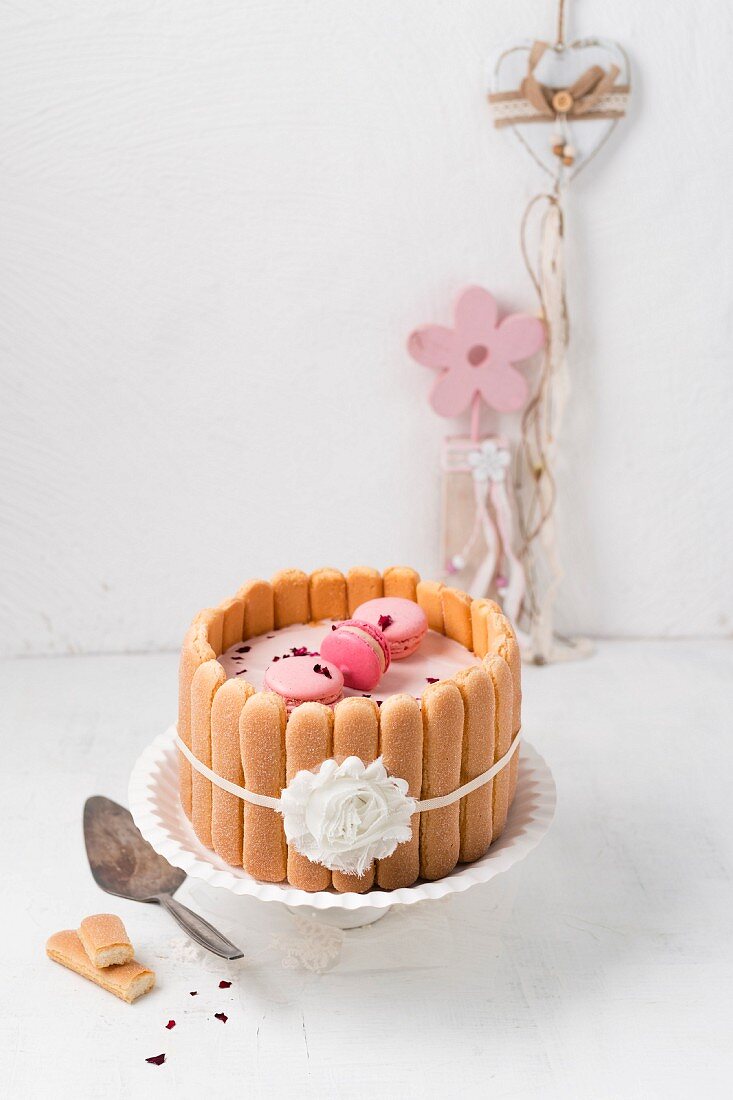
(575, 101)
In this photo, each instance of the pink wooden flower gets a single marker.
(476, 356)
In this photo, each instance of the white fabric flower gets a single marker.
(345, 815)
(489, 462)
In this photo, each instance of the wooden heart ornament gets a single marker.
(561, 102)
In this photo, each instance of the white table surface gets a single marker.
(602, 967)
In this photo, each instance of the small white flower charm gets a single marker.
(346, 815)
(489, 462)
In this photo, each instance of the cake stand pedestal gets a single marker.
(156, 808)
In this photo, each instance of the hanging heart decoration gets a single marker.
(580, 91)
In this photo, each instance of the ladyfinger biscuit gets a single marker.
(194, 652)
(128, 981)
(477, 693)
(232, 615)
(226, 760)
(262, 744)
(400, 580)
(400, 745)
(428, 596)
(290, 587)
(207, 679)
(442, 718)
(212, 620)
(308, 742)
(480, 610)
(327, 594)
(105, 940)
(362, 584)
(501, 639)
(457, 616)
(355, 733)
(259, 608)
(501, 678)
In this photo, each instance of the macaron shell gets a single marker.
(359, 664)
(297, 681)
(407, 629)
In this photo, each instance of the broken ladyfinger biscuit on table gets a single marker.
(105, 940)
(128, 980)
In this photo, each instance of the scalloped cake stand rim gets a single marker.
(156, 809)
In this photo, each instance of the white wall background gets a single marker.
(220, 220)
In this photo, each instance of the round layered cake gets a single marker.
(348, 789)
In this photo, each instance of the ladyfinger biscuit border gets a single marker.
(232, 615)
(457, 616)
(327, 595)
(501, 639)
(259, 608)
(308, 742)
(442, 718)
(501, 678)
(207, 679)
(226, 760)
(477, 756)
(480, 610)
(363, 583)
(355, 733)
(195, 651)
(262, 744)
(290, 588)
(400, 746)
(402, 581)
(212, 620)
(428, 597)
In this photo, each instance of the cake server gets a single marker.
(124, 864)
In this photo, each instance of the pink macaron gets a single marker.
(360, 650)
(305, 680)
(402, 622)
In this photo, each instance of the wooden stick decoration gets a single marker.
(476, 361)
(581, 89)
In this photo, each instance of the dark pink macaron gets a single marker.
(360, 650)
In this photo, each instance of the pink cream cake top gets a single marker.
(438, 658)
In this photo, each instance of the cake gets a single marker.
(342, 796)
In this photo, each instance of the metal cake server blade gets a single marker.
(124, 864)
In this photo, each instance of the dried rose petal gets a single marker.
(157, 1060)
(432, 679)
(221, 1016)
(379, 702)
(334, 626)
(224, 985)
(244, 649)
(385, 621)
(194, 993)
(366, 696)
(170, 1024)
(323, 671)
(299, 651)
(276, 658)
(240, 671)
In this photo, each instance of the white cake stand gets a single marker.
(156, 808)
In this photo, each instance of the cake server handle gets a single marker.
(199, 929)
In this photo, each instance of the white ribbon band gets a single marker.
(421, 805)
